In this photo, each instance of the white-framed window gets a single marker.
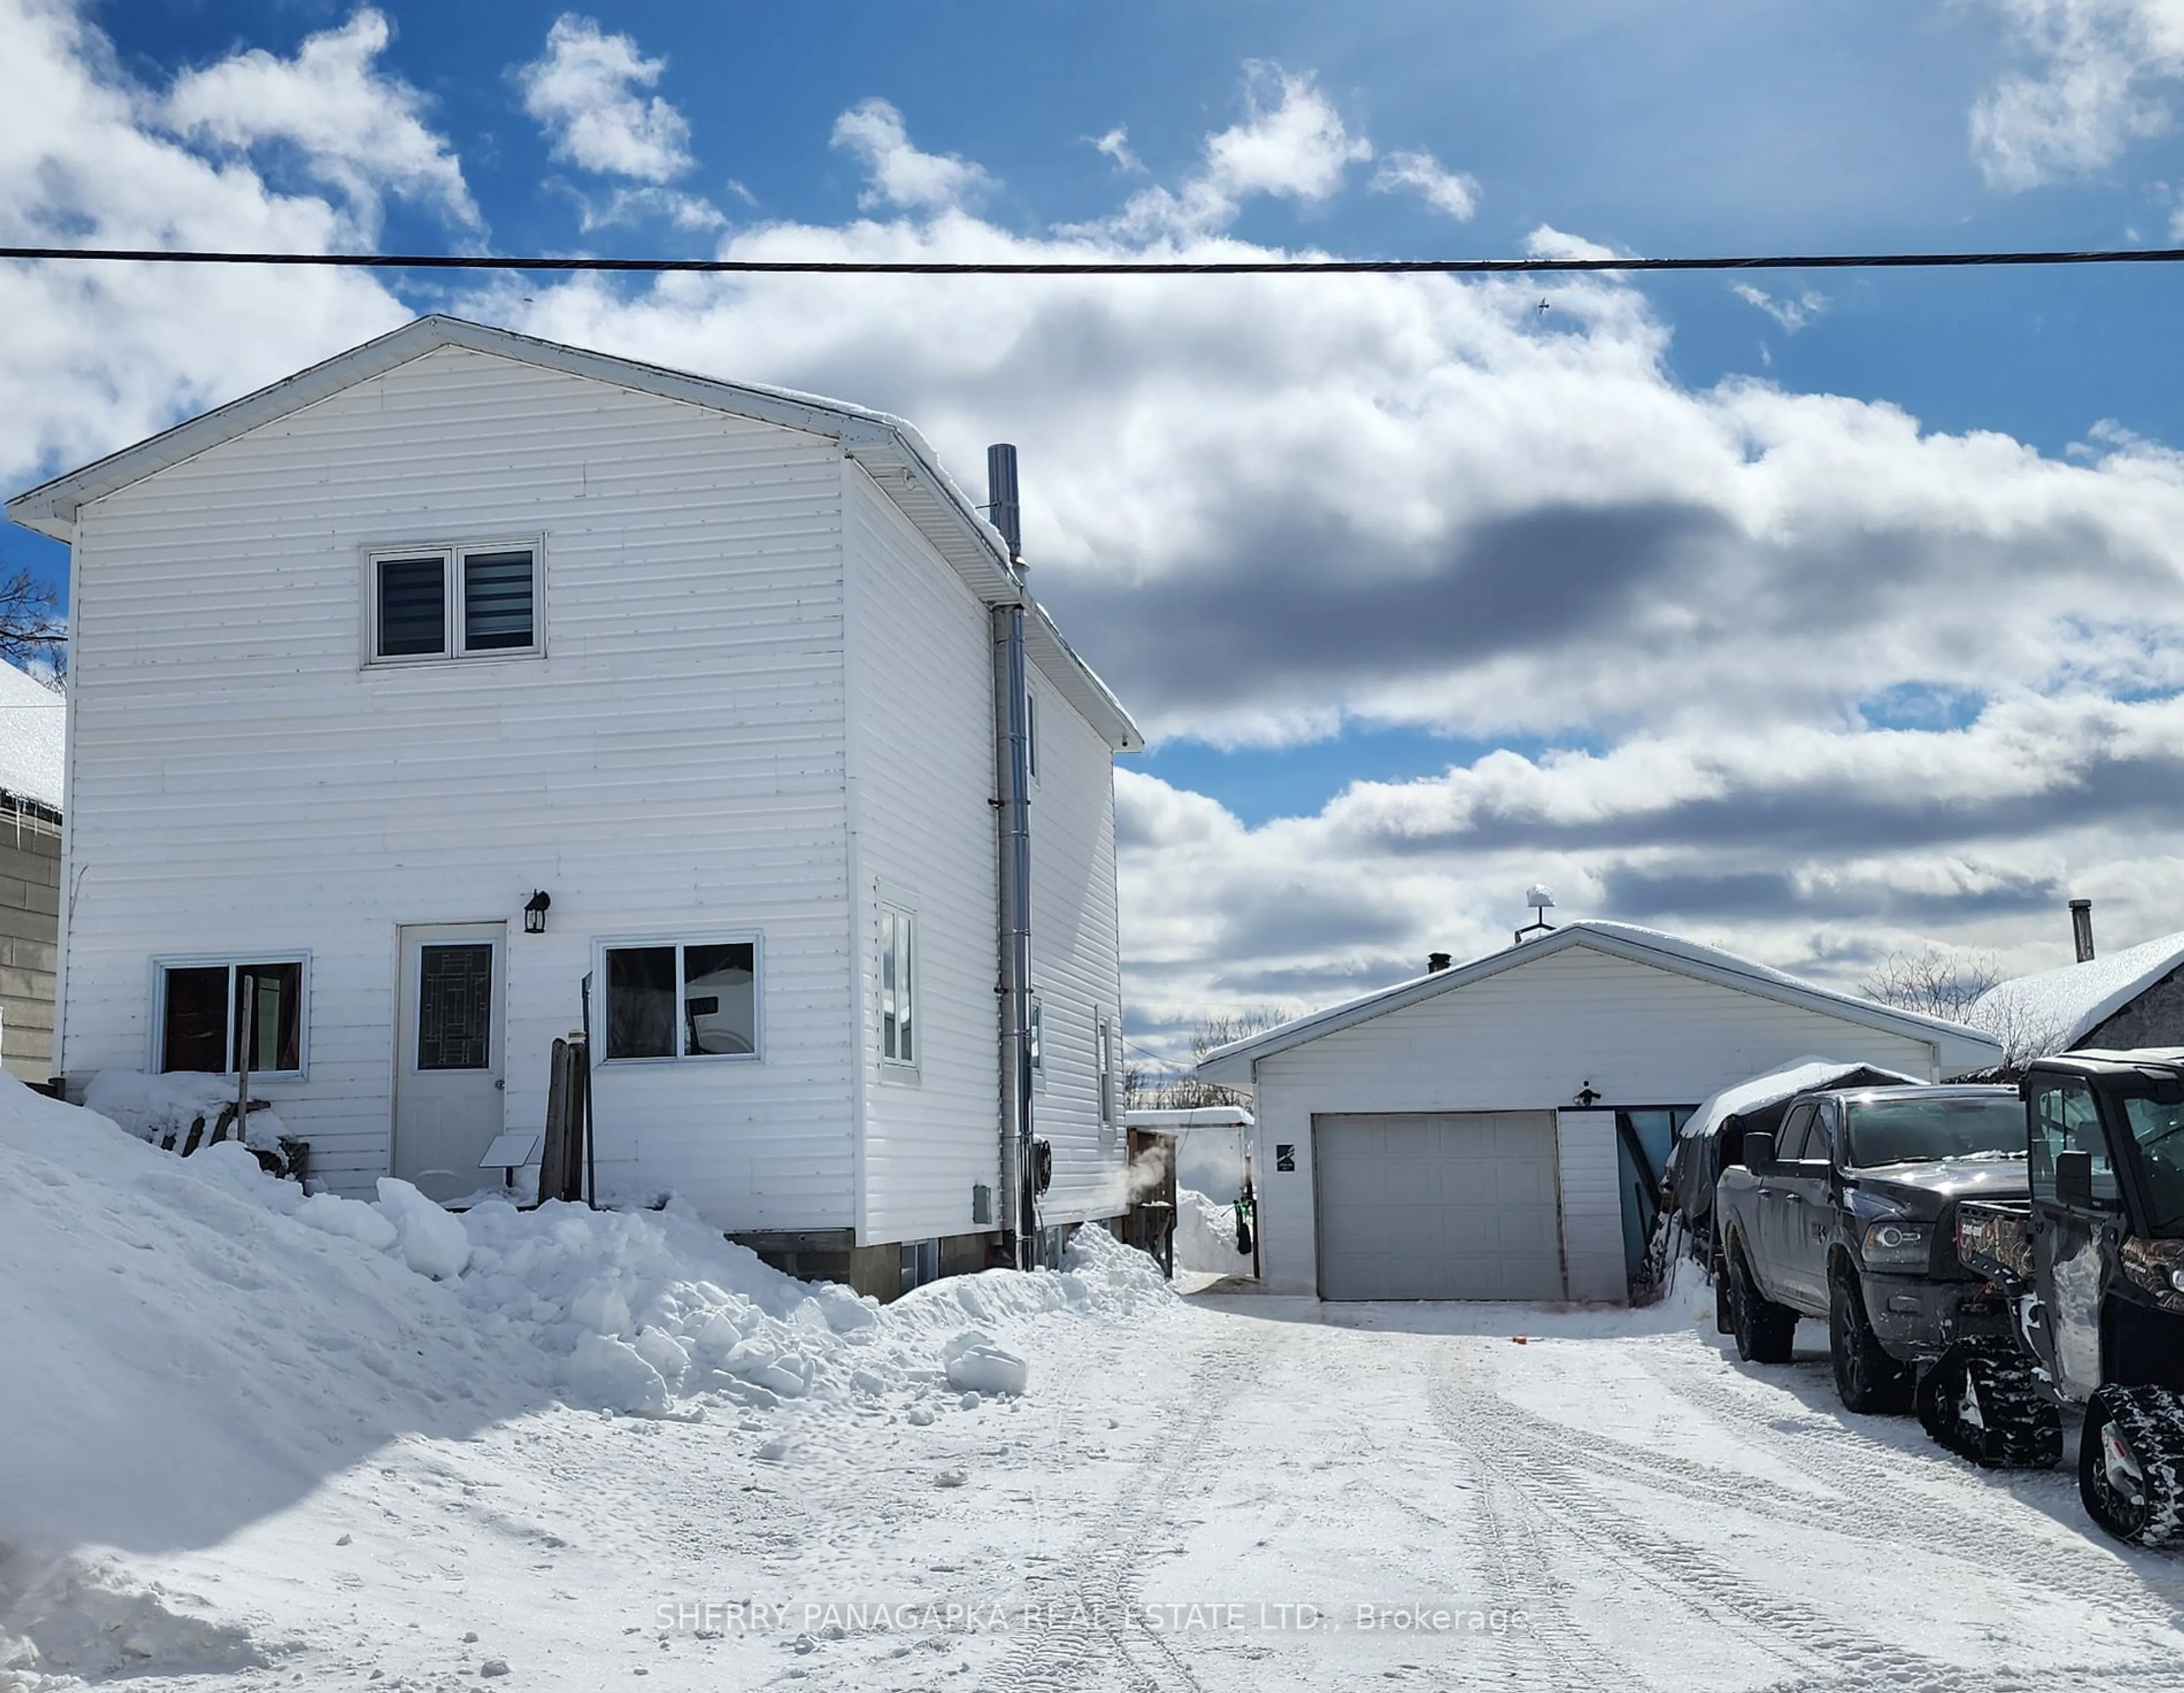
(899, 1032)
(1110, 1057)
(201, 1006)
(471, 600)
(1038, 1038)
(688, 998)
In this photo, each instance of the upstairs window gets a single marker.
(453, 603)
(682, 999)
(205, 1008)
(898, 988)
(1110, 1057)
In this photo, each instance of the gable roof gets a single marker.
(2038, 1015)
(896, 456)
(33, 738)
(1961, 1049)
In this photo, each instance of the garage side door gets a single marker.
(1448, 1206)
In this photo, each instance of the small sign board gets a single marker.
(1284, 1155)
(513, 1150)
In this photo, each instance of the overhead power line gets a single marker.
(1118, 267)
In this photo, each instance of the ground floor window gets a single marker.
(695, 999)
(212, 1014)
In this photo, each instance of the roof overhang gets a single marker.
(896, 456)
(1236, 1064)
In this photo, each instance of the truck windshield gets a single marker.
(2157, 1126)
(1916, 1131)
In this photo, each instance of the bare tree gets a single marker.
(1145, 1088)
(29, 629)
(1936, 981)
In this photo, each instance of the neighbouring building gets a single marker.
(719, 689)
(1482, 1132)
(2128, 999)
(33, 732)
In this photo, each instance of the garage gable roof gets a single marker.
(892, 453)
(1961, 1049)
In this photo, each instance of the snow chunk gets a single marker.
(605, 1374)
(433, 1241)
(976, 1365)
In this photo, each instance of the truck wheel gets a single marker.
(1765, 1332)
(2130, 1464)
(1986, 1403)
(1867, 1380)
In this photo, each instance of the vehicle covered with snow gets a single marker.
(2092, 1262)
(1848, 1213)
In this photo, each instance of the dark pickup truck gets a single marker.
(1849, 1214)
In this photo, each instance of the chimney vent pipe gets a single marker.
(1436, 962)
(1001, 503)
(2081, 928)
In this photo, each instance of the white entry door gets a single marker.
(448, 1060)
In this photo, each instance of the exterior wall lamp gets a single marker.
(534, 912)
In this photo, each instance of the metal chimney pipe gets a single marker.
(2081, 928)
(1436, 962)
(1001, 503)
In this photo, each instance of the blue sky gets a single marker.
(1645, 593)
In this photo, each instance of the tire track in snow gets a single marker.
(1556, 1488)
(1091, 1593)
(1866, 1473)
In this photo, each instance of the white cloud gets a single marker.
(1790, 312)
(902, 175)
(2094, 89)
(91, 359)
(1446, 190)
(1291, 144)
(1116, 145)
(644, 203)
(356, 128)
(586, 92)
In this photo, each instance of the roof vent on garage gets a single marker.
(1436, 962)
(1542, 902)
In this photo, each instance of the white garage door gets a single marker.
(1456, 1206)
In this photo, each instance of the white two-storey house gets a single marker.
(811, 805)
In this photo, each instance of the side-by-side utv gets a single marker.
(2094, 1268)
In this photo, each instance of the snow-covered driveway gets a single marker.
(1223, 1494)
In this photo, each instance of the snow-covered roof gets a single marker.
(1190, 1117)
(1771, 1087)
(1959, 1049)
(33, 738)
(896, 455)
(2034, 1016)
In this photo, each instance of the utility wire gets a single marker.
(1122, 267)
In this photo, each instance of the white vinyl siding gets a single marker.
(1076, 965)
(1530, 1039)
(922, 679)
(676, 762)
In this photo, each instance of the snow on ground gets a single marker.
(329, 1469)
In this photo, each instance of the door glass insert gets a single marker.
(454, 1007)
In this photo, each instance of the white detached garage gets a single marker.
(1471, 1134)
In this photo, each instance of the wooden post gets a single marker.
(246, 1014)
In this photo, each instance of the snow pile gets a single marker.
(161, 1108)
(191, 1343)
(2035, 1016)
(1206, 1236)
